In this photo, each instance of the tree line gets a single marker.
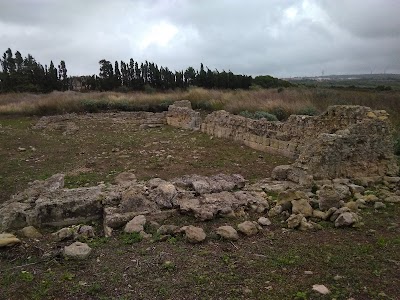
(20, 74)
(25, 74)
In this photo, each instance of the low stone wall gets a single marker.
(345, 141)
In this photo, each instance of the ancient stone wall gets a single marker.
(181, 115)
(345, 141)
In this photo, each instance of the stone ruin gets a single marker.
(338, 156)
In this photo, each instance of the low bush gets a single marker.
(258, 115)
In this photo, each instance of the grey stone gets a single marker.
(136, 224)
(168, 229)
(328, 197)
(77, 250)
(248, 228)
(346, 219)
(30, 232)
(194, 234)
(227, 232)
(294, 221)
(264, 221)
(302, 206)
(379, 205)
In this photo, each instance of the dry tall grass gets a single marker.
(288, 101)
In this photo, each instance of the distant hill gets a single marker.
(379, 81)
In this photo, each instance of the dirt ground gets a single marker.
(358, 263)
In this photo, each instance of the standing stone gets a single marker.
(228, 233)
(194, 234)
(77, 250)
(248, 228)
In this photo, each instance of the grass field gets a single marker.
(284, 102)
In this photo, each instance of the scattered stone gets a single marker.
(64, 233)
(85, 232)
(302, 206)
(337, 277)
(320, 288)
(275, 211)
(8, 240)
(136, 224)
(393, 199)
(308, 272)
(145, 236)
(370, 198)
(379, 205)
(194, 234)
(352, 205)
(304, 225)
(346, 219)
(77, 250)
(228, 233)
(30, 232)
(294, 221)
(248, 228)
(264, 221)
(21, 149)
(168, 229)
(354, 189)
(328, 197)
(319, 214)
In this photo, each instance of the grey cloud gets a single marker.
(251, 37)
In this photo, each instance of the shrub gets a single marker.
(266, 115)
(258, 115)
(280, 113)
(308, 111)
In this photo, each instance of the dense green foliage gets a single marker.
(270, 82)
(20, 74)
(27, 75)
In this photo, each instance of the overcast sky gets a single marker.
(278, 37)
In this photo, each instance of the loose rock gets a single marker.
(77, 250)
(248, 228)
(228, 233)
(194, 234)
(30, 232)
(136, 224)
(264, 221)
(8, 240)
